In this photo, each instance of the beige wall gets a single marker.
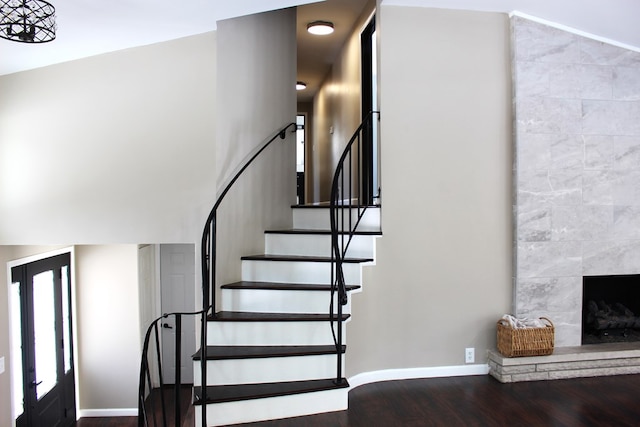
(443, 273)
(117, 148)
(336, 106)
(108, 333)
(255, 98)
(5, 377)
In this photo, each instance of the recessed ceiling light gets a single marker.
(320, 28)
(301, 85)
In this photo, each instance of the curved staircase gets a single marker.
(270, 349)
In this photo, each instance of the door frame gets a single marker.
(33, 258)
(370, 151)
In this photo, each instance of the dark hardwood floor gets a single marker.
(477, 401)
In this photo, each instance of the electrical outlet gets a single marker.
(469, 355)
(1, 364)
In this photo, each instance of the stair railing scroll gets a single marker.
(346, 208)
(208, 251)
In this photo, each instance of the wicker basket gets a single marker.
(526, 341)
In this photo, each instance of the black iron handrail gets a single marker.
(208, 260)
(208, 263)
(348, 203)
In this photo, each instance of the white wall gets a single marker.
(443, 273)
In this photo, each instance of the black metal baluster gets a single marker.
(178, 373)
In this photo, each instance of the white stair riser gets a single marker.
(271, 333)
(268, 369)
(276, 301)
(272, 408)
(297, 272)
(316, 245)
(319, 219)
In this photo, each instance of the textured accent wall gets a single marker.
(576, 169)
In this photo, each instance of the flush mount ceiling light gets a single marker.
(301, 85)
(320, 28)
(27, 21)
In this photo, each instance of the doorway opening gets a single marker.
(300, 157)
(370, 191)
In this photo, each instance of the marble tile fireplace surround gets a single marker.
(576, 169)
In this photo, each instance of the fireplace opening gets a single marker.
(610, 309)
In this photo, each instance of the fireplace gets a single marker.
(611, 309)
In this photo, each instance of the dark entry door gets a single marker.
(47, 346)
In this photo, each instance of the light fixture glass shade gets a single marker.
(301, 85)
(27, 21)
(320, 28)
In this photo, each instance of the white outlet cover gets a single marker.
(1, 364)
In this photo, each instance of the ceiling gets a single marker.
(92, 27)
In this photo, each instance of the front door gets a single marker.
(42, 290)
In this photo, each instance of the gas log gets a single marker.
(601, 316)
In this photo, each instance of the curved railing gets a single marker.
(347, 206)
(152, 408)
(208, 262)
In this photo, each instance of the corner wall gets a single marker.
(443, 273)
(255, 98)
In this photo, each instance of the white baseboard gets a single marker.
(355, 381)
(118, 412)
(414, 373)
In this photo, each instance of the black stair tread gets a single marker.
(241, 316)
(269, 257)
(325, 205)
(238, 392)
(219, 352)
(283, 286)
(321, 232)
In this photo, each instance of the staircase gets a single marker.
(270, 349)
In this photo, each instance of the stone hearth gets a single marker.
(568, 362)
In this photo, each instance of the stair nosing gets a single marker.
(301, 258)
(243, 352)
(326, 206)
(240, 392)
(304, 231)
(250, 316)
(248, 285)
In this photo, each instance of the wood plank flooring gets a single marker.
(476, 401)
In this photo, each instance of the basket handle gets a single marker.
(505, 323)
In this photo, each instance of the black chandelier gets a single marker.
(27, 21)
